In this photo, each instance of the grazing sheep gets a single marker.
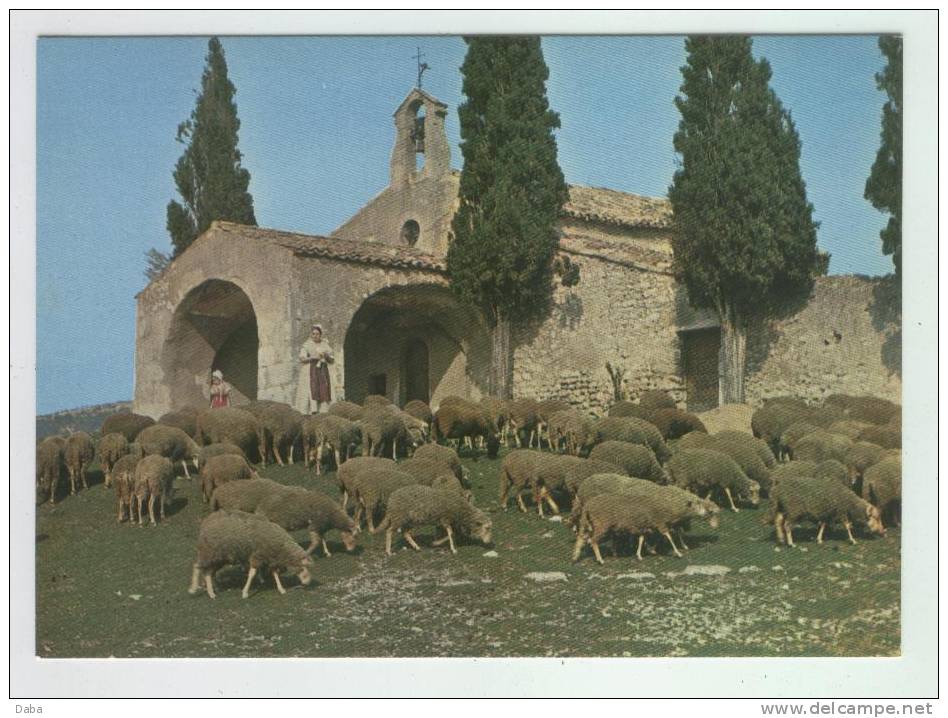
(632, 430)
(123, 479)
(376, 400)
(821, 445)
(825, 416)
(410, 507)
(154, 480)
(172, 443)
(796, 499)
(184, 419)
(581, 469)
(111, 448)
(795, 469)
(637, 515)
(515, 475)
(760, 446)
(421, 411)
(221, 469)
(346, 410)
(50, 465)
(234, 426)
(675, 423)
(633, 459)
(443, 454)
(258, 406)
(350, 472)
(742, 450)
(628, 408)
(871, 410)
(848, 427)
(295, 508)
(373, 489)
(773, 418)
(125, 423)
(281, 425)
(704, 471)
(694, 440)
(882, 487)
(605, 483)
(425, 470)
(78, 454)
(793, 434)
(327, 431)
(522, 418)
(656, 399)
(218, 450)
(466, 420)
(569, 427)
(243, 495)
(859, 458)
(235, 537)
(499, 414)
(884, 436)
(546, 409)
(381, 426)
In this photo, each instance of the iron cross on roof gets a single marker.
(422, 66)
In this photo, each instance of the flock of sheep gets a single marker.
(646, 471)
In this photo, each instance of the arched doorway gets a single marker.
(214, 327)
(415, 371)
(415, 342)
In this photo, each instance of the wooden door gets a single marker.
(416, 371)
(700, 367)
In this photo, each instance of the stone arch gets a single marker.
(391, 327)
(213, 327)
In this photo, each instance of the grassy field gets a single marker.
(105, 589)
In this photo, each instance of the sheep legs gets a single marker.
(788, 527)
(819, 534)
(151, 509)
(778, 528)
(195, 579)
(209, 585)
(731, 499)
(388, 541)
(450, 538)
(849, 530)
(638, 553)
(276, 580)
(246, 592)
(411, 539)
(578, 546)
(667, 534)
(319, 458)
(187, 474)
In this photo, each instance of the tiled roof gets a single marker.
(306, 245)
(609, 206)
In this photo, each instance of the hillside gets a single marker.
(86, 418)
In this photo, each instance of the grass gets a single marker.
(110, 589)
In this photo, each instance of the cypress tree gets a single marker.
(745, 239)
(884, 186)
(209, 177)
(511, 192)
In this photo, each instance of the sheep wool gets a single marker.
(294, 508)
(410, 507)
(235, 537)
(78, 455)
(154, 481)
(705, 471)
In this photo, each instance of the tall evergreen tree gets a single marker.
(511, 192)
(745, 239)
(884, 186)
(209, 177)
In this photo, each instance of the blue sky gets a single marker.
(316, 134)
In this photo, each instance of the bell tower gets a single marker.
(421, 143)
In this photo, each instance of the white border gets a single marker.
(914, 674)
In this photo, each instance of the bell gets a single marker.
(418, 134)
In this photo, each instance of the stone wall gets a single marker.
(618, 313)
(846, 340)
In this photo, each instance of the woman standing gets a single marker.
(318, 354)
(220, 390)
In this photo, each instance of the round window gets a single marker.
(410, 232)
